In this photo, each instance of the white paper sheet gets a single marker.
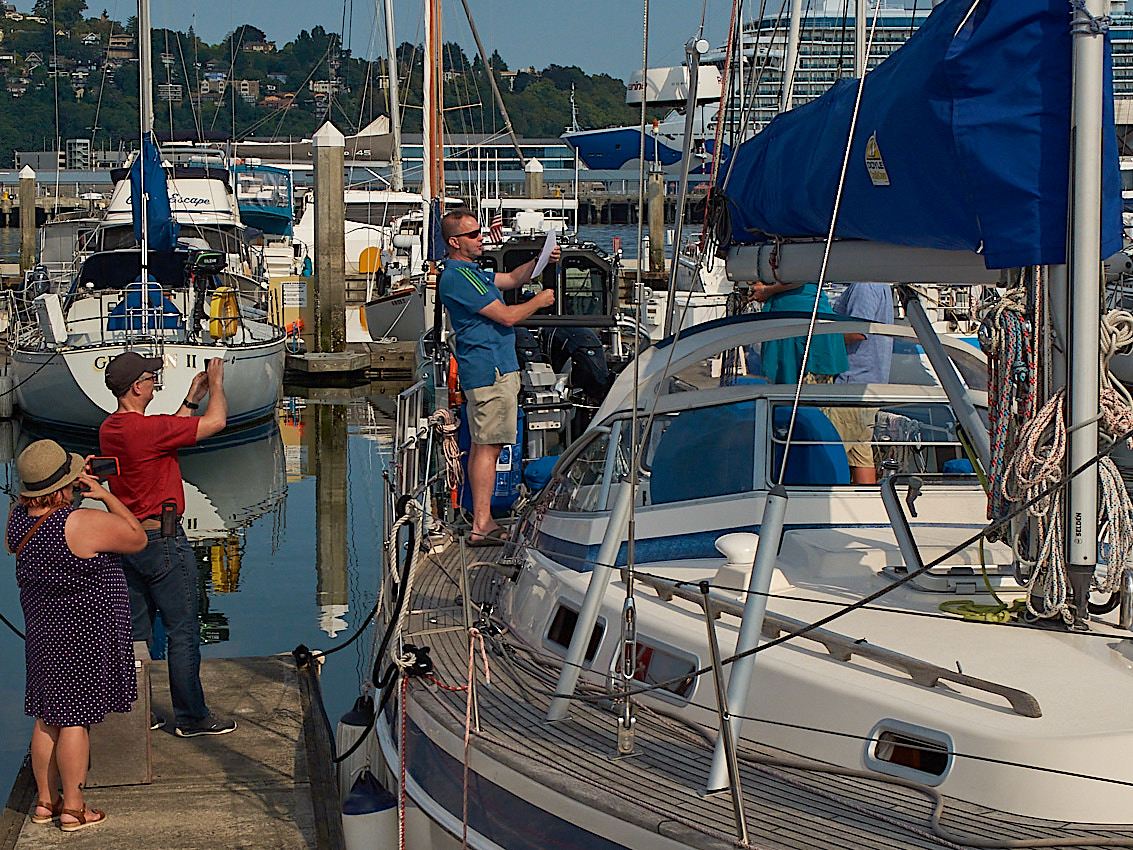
(544, 255)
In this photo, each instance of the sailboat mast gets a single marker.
(145, 67)
(396, 181)
(791, 59)
(432, 125)
(1084, 255)
(145, 115)
(860, 59)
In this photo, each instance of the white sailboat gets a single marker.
(701, 635)
(182, 301)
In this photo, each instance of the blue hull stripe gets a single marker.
(581, 558)
(494, 812)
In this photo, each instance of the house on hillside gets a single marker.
(282, 101)
(90, 38)
(32, 61)
(121, 49)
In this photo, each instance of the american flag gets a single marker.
(496, 228)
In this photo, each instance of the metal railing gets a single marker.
(843, 649)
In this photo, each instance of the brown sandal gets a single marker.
(55, 808)
(82, 820)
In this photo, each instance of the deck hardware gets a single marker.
(626, 720)
(722, 713)
(595, 593)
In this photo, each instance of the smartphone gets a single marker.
(101, 467)
(168, 519)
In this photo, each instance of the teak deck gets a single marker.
(661, 787)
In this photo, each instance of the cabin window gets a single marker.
(561, 630)
(701, 453)
(898, 438)
(909, 751)
(584, 288)
(580, 489)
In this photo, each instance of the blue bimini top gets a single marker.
(482, 346)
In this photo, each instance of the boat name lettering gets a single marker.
(100, 363)
(178, 198)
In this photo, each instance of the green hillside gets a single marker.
(81, 82)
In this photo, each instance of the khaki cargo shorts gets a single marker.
(492, 411)
(855, 425)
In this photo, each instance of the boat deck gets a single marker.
(660, 788)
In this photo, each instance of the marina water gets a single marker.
(280, 597)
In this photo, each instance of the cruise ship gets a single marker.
(825, 55)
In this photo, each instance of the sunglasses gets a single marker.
(150, 377)
(470, 234)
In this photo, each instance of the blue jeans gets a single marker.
(163, 578)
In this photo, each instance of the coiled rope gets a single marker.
(1036, 464)
(446, 424)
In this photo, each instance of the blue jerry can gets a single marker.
(509, 467)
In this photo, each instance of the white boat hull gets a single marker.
(66, 388)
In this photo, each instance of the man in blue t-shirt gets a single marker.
(485, 355)
(869, 356)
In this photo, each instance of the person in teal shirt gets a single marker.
(782, 358)
(485, 355)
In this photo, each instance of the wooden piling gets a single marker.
(534, 173)
(655, 200)
(330, 240)
(27, 218)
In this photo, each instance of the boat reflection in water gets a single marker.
(230, 481)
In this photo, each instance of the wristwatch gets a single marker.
(192, 405)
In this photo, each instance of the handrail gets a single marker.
(842, 648)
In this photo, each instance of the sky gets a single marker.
(599, 36)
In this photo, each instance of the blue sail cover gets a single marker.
(162, 228)
(971, 124)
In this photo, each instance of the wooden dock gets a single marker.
(268, 784)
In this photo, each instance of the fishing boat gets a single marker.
(139, 284)
(700, 633)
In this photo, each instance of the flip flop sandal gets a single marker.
(82, 821)
(55, 808)
(495, 537)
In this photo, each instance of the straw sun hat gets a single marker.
(45, 466)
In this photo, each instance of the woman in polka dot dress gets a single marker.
(79, 650)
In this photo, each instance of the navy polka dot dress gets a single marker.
(79, 648)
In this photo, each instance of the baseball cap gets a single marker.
(123, 370)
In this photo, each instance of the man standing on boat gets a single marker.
(485, 355)
(162, 578)
(869, 357)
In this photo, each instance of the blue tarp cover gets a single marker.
(971, 119)
(147, 169)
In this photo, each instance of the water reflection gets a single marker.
(332, 589)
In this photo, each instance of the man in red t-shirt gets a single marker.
(162, 578)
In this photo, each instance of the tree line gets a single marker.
(76, 91)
